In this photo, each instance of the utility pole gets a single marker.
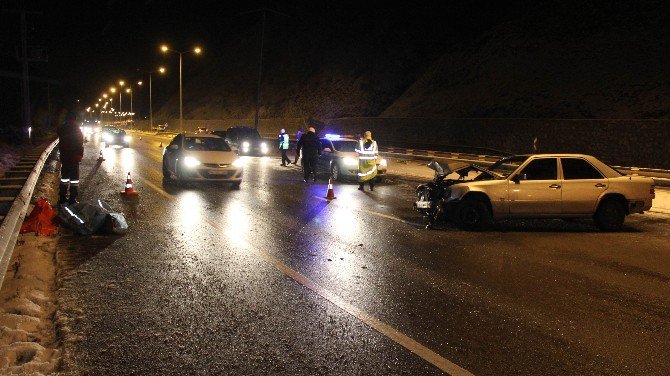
(25, 87)
(260, 62)
(260, 72)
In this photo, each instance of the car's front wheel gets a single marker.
(610, 215)
(166, 171)
(335, 172)
(472, 214)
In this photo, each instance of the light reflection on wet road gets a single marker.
(191, 296)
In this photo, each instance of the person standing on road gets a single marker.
(298, 135)
(71, 147)
(311, 150)
(283, 147)
(367, 161)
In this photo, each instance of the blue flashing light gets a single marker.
(332, 137)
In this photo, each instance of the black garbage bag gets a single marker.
(88, 217)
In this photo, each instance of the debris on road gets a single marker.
(86, 218)
(40, 219)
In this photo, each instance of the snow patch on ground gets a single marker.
(9, 156)
(28, 341)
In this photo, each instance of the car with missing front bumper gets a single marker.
(535, 186)
(201, 157)
(339, 158)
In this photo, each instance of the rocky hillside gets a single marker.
(569, 59)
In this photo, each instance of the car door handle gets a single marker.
(600, 185)
(554, 186)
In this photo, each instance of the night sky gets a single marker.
(92, 44)
(93, 41)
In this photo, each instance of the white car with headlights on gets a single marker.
(339, 158)
(201, 157)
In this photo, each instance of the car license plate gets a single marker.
(423, 204)
(218, 172)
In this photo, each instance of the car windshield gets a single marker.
(345, 145)
(251, 134)
(506, 166)
(205, 144)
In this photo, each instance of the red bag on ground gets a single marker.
(40, 219)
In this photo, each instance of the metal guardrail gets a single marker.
(12, 221)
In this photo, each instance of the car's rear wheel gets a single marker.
(236, 185)
(472, 214)
(610, 215)
(335, 172)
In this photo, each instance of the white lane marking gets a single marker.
(387, 330)
(387, 216)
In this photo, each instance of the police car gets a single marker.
(340, 159)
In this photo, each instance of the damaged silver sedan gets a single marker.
(534, 186)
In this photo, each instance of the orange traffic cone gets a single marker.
(331, 192)
(129, 191)
(101, 158)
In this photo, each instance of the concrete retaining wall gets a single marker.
(642, 143)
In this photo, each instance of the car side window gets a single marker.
(541, 169)
(577, 168)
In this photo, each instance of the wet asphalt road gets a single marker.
(208, 281)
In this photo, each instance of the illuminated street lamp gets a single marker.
(130, 91)
(197, 50)
(160, 70)
(104, 95)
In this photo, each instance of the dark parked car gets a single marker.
(247, 140)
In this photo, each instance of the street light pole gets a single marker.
(181, 119)
(197, 51)
(151, 110)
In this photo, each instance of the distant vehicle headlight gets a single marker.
(264, 147)
(383, 163)
(191, 162)
(245, 144)
(239, 162)
(127, 138)
(349, 161)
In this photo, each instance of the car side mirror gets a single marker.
(174, 147)
(327, 150)
(519, 177)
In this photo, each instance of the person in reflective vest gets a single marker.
(283, 147)
(367, 161)
(71, 147)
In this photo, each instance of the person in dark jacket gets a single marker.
(311, 150)
(71, 146)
